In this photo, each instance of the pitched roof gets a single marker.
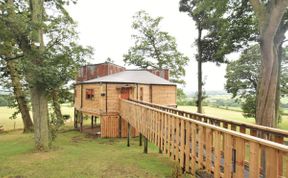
(131, 76)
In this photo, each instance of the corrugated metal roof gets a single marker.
(131, 76)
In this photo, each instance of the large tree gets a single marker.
(272, 26)
(155, 49)
(45, 65)
(212, 41)
(242, 79)
(262, 21)
(10, 74)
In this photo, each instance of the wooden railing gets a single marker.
(272, 134)
(199, 145)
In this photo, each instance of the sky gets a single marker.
(106, 26)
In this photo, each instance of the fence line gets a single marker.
(199, 145)
(268, 133)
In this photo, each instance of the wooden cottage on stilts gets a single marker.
(99, 88)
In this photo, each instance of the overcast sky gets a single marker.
(106, 26)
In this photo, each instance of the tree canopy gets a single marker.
(46, 65)
(155, 49)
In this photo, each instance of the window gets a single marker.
(141, 93)
(89, 94)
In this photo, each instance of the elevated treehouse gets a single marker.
(100, 87)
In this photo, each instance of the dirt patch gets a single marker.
(92, 136)
(118, 171)
(18, 176)
(78, 139)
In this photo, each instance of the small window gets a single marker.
(89, 94)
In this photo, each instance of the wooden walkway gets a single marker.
(223, 148)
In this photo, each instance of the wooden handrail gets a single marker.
(272, 134)
(196, 144)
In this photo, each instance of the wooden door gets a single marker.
(125, 93)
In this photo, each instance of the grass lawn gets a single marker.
(76, 155)
(230, 115)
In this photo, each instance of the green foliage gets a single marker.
(181, 96)
(55, 124)
(155, 49)
(4, 100)
(242, 78)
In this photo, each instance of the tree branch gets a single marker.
(12, 58)
(259, 10)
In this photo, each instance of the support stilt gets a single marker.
(128, 135)
(140, 139)
(145, 145)
(120, 127)
(92, 118)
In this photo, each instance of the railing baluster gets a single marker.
(187, 146)
(182, 143)
(208, 145)
(240, 157)
(254, 161)
(193, 157)
(228, 147)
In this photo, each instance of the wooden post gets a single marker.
(140, 139)
(81, 122)
(92, 117)
(145, 145)
(75, 119)
(120, 127)
(128, 135)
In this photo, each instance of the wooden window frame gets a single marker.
(89, 94)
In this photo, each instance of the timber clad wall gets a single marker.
(146, 92)
(161, 94)
(77, 102)
(96, 104)
(110, 127)
(164, 95)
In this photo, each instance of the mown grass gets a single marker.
(76, 155)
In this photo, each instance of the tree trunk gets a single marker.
(266, 97)
(199, 96)
(38, 94)
(40, 117)
(278, 92)
(56, 105)
(20, 96)
(16, 84)
(200, 82)
(269, 18)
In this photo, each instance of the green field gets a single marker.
(233, 114)
(9, 124)
(76, 155)
(230, 115)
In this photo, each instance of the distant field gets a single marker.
(9, 124)
(231, 115)
(217, 112)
